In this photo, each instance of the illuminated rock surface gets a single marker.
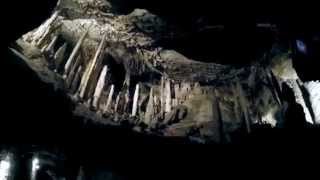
(114, 70)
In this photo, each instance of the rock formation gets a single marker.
(113, 65)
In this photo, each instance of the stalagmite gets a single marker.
(59, 55)
(99, 87)
(135, 101)
(149, 115)
(86, 77)
(168, 96)
(76, 80)
(74, 54)
(107, 107)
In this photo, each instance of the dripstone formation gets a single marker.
(114, 70)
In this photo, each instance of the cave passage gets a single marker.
(116, 70)
(239, 42)
(229, 45)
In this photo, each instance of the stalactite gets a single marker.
(162, 97)
(116, 106)
(244, 108)
(218, 120)
(110, 96)
(59, 55)
(74, 54)
(42, 32)
(157, 104)
(168, 98)
(313, 87)
(72, 73)
(100, 86)
(300, 99)
(76, 80)
(135, 101)
(193, 98)
(126, 82)
(90, 68)
(177, 91)
(126, 100)
(50, 47)
(273, 89)
(174, 102)
(149, 115)
(93, 81)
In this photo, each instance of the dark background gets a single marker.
(33, 114)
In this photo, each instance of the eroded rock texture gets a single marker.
(115, 71)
